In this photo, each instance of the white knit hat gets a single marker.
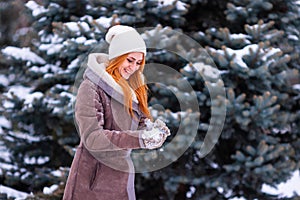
(124, 39)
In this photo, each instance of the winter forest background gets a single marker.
(255, 48)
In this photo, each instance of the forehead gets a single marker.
(136, 55)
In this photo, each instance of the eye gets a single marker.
(129, 60)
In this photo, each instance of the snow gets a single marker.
(77, 27)
(50, 190)
(22, 93)
(73, 26)
(26, 136)
(57, 173)
(206, 70)
(7, 167)
(90, 42)
(296, 87)
(45, 69)
(181, 6)
(18, 195)
(270, 53)
(51, 48)
(178, 4)
(31, 97)
(237, 198)
(18, 90)
(5, 155)
(80, 40)
(49, 38)
(104, 21)
(33, 160)
(293, 37)
(74, 64)
(36, 8)
(286, 189)
(190, 193)
(4, 123)
(23, 54)
(240, 36)
(239, 54)
(84, 26)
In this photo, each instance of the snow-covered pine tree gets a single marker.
(254, 50)
(39, 84)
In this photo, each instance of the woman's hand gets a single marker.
(155, 134)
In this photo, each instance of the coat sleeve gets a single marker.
(89, 115)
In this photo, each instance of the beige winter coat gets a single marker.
(102, 168)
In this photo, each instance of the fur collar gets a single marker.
(97, 62)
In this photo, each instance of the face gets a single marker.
(131, 64)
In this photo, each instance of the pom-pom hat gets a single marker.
(124, 39)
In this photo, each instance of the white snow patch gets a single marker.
(22, 93)
(4, 123)
(90, 42)
(77, 27)
(51, 48)
(26, 136)
(23, 54)
(190, 193)
(18, 195)
(45, 69)
(33, 160)
(36, 8)
(80, 40)
(296, 87)
(239, 54)
(181, 6)
(270, 53)
(286, 189)
(74, 64)
(104, 21)
(4, 80)
(57, 173)
(19, 91)
(178, 4)
(5, 155)
(31, 97)
(238, 198)
(50, 190)
(293, 37)
(72, 26)
(206, 70)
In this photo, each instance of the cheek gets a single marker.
(137, 68)
(121, 68)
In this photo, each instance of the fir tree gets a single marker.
(250, 47)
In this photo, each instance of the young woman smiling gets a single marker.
(110, 112)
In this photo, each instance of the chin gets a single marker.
(126, 77)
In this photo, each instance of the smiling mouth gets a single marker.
(126, 71)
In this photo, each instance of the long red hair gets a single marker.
(135, 82)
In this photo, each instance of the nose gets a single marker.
(134, 66)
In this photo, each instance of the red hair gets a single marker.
(135, 82)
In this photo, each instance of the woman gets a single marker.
(110, 112)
